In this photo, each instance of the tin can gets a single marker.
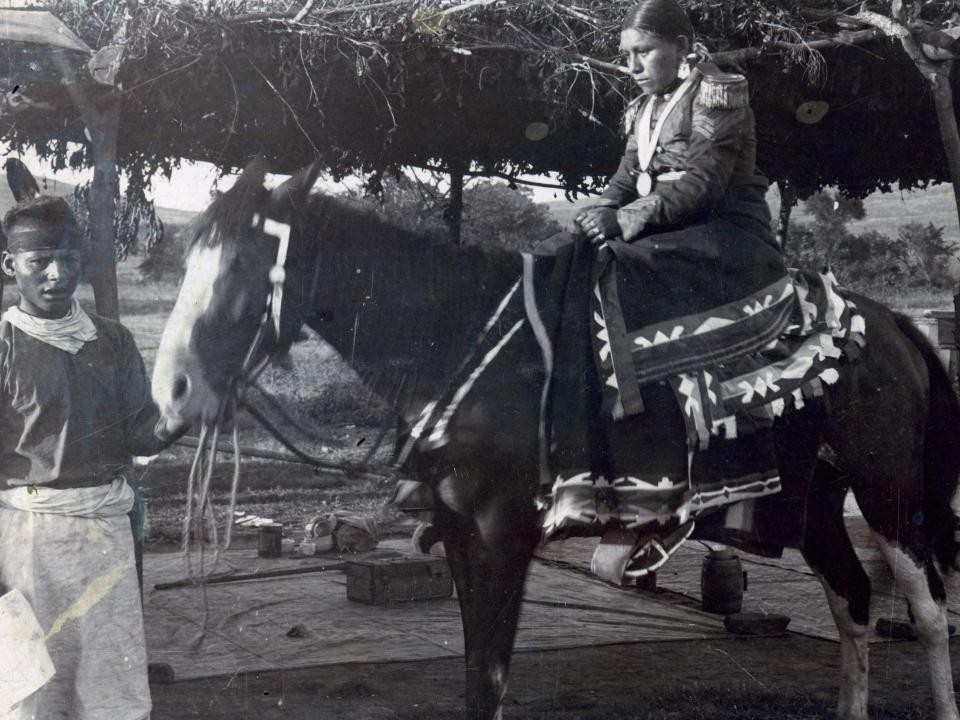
(270, 541)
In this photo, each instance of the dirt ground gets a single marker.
(783, 678)
(792, 677)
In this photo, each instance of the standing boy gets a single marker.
(75, 408)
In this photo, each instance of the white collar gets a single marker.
(68, 333)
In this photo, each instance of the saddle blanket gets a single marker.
(714, 383)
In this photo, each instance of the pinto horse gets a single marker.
(404, 311)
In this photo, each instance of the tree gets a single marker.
(831, 213)
(931, 251)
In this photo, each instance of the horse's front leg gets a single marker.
(489, 550)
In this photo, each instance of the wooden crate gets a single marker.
(385, 581)
(945, 339)
(946, 327)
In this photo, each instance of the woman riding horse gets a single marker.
(686, 195)
(683, 229)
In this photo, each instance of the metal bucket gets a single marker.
(25, 664)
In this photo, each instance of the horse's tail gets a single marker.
(941, 452)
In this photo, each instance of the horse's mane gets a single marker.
(358, 230)
(227, 220)
(431, 297)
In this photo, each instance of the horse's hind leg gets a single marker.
(923, 588)
(830, 554)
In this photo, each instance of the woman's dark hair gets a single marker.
(665, 18)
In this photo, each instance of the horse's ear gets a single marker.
(253, 174)
(288, 198)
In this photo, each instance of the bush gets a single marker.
(494, 214)
(931, 252)
(871, 261)
(165, 258)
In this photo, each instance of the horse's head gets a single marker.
(240, 298)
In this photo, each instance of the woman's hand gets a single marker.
(599, 224)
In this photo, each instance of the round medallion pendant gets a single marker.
(644, 184)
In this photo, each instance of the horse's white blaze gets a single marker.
(196, 293)
(930, 624)
(854, 658)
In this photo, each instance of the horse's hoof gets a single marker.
(899, 630)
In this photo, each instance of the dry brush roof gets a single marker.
(373, 85)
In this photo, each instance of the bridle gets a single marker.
(273, 306)
(251, 369)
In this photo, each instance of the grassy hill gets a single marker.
(49, 186)
(885, 211)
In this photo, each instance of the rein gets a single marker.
(201, 516)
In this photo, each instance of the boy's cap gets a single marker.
(44, 223)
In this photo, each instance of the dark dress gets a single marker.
(703, 236)
(700, 238)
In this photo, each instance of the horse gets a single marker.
(403, 310)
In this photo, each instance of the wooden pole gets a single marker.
(950, 135)
(103, 127)
(947, 118)
(370, 471)
(231, 578)
(937, 73)
(453, 215)
(101, 115)
(788, 199)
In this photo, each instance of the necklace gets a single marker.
(648, 137)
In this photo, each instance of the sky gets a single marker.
(191, 186)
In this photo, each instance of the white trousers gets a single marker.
(70, 552)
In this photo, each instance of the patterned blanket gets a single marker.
(649, 428)
(730, 371)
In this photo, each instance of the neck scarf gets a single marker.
(68, 333)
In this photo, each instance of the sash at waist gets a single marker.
(100, 501)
